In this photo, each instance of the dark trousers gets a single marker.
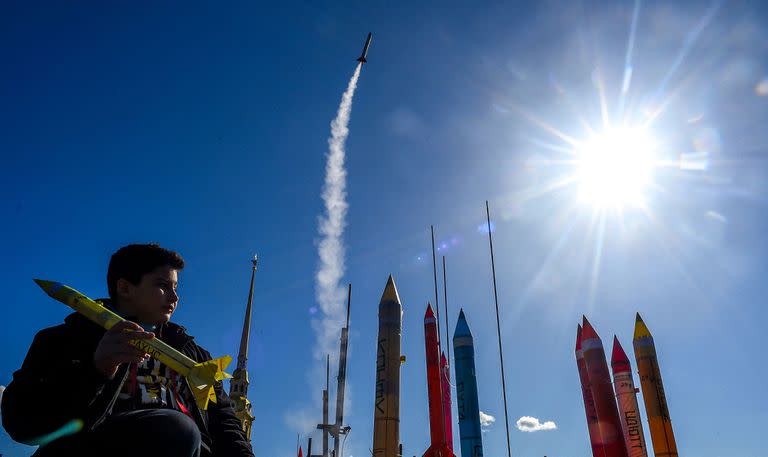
(145, 433)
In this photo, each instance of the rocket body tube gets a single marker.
(467, 403)
(602, 393)
(659, 423)
(626, 397)
(386, 415)
(593, 424)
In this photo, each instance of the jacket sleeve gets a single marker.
(53, 387)
(227, 435)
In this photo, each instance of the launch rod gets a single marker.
(434, 271)
(349, 300)
(498, 327)
(326, 394)
(445, 303)
(342, 379)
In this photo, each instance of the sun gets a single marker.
(615, 168)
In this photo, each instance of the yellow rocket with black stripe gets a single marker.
(201, 375)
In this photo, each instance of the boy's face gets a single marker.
(153, 299)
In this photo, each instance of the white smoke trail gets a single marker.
(330, 294)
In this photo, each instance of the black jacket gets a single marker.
(57, 383)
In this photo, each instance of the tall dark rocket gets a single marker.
(386, 415)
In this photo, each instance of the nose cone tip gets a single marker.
(429, 313)
(618, 354)
(588, 332)
(45, 285)
(619, 359)
(641, 330)
(390, 292)
(462, 327)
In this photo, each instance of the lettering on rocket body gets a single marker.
(381, 366)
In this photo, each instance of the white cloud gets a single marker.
(531, 424)
(486, 420)
(2, 389)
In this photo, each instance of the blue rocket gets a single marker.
(466, 390)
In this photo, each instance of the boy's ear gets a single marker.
(124, 288)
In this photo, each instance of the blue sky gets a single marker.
(204, 127)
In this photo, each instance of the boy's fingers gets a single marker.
(135, 335)
(125, 325)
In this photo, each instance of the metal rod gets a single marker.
(498, 327)
(326, 393)
(445, 303)
(342, 380)
(434, 271)
(349, 300)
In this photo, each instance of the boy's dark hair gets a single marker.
(135, 260)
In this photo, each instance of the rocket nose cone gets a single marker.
(641, 330)
(429, 314)
(47, 286)
(618, 354)
(390, 292)
(462, 327)
(588, 332)
(619, 359)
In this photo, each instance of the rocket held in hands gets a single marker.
(201, 376)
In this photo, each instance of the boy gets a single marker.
(129, 404)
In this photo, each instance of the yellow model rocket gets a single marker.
(201, 376)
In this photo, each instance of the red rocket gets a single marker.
(437, 426)
(602, 392)
(593, 426)
(445, 384)
(626, 396)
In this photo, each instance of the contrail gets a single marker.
(330, 293)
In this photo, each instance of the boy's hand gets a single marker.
(114, 348)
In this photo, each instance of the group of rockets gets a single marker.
(386, 418)
(611, 406)
(613, 415)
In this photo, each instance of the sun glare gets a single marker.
(614, 168)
